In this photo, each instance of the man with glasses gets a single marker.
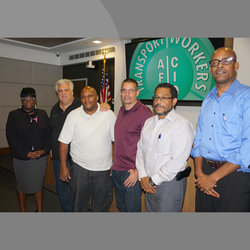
(90, 133)
(221, 145)
(128, 126)
(163, 151)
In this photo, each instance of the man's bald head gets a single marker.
(228, 51)
(223, 71)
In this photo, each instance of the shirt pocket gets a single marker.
(231, 123)
(163, 145)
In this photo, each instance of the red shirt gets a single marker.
(128, 126)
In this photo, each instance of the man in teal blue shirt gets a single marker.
(221, 145)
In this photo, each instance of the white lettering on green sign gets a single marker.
(183, 62)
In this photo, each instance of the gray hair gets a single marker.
(63, 81)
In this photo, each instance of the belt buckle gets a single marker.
(210, 163)
(214, 164)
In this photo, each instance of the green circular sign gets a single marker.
(183, 62)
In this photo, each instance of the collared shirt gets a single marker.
(128, 128)
(91, 138)
(164, 147)
(57, 119)
(223, 132)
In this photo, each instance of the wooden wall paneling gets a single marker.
(5, 151)
(49, 180)
(189, 202)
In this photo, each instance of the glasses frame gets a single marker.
(130, 91)
(162, 98)
(231, 59)
(28, 98)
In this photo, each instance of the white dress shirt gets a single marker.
(164, 147)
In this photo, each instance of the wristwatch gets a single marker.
(151, 182)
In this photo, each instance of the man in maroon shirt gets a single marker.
(128, 126)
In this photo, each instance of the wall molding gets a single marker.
(5, 151)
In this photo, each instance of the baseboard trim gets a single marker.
(5, 151)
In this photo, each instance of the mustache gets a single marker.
(158, 105)
(219, 70)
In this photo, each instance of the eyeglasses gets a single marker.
(223, 61)
(28, 98)
(130, 91)
(161, 98)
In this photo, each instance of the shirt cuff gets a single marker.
(157, 179)
(141, 173)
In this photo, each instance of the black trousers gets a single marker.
(95, 184)
(234, 191)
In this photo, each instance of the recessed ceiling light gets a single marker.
(97, 41)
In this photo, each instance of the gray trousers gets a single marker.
(169, 197)
(95, 184)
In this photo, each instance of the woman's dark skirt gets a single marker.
(30, 174)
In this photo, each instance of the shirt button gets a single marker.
(212, 126)
(210, 139)
(214, 113)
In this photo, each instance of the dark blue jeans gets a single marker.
(127, 199)
(62, 188)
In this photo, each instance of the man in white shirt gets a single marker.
(162, 154)
(90, 134)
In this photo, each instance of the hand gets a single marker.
(132, 179)
(33, 155)
(40, 152)
(146, 186)
(110, 172)
(104, 107)
(64, 174)
(206, 184)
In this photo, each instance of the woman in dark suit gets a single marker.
(28, 134)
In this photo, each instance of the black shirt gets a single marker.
(57, 119)
(26, 133)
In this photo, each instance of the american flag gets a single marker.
(105, 95)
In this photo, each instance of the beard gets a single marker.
(165, 112)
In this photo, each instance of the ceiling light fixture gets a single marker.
(97, 41)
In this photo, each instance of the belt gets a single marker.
(214, 164)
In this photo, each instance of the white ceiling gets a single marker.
(79, 44)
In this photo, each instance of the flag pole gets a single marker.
(104, 66)
(105, 95)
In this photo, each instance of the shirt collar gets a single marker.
(233, 87)
(59, 107)
(134, 108)
(230, 91)
(170, 116)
